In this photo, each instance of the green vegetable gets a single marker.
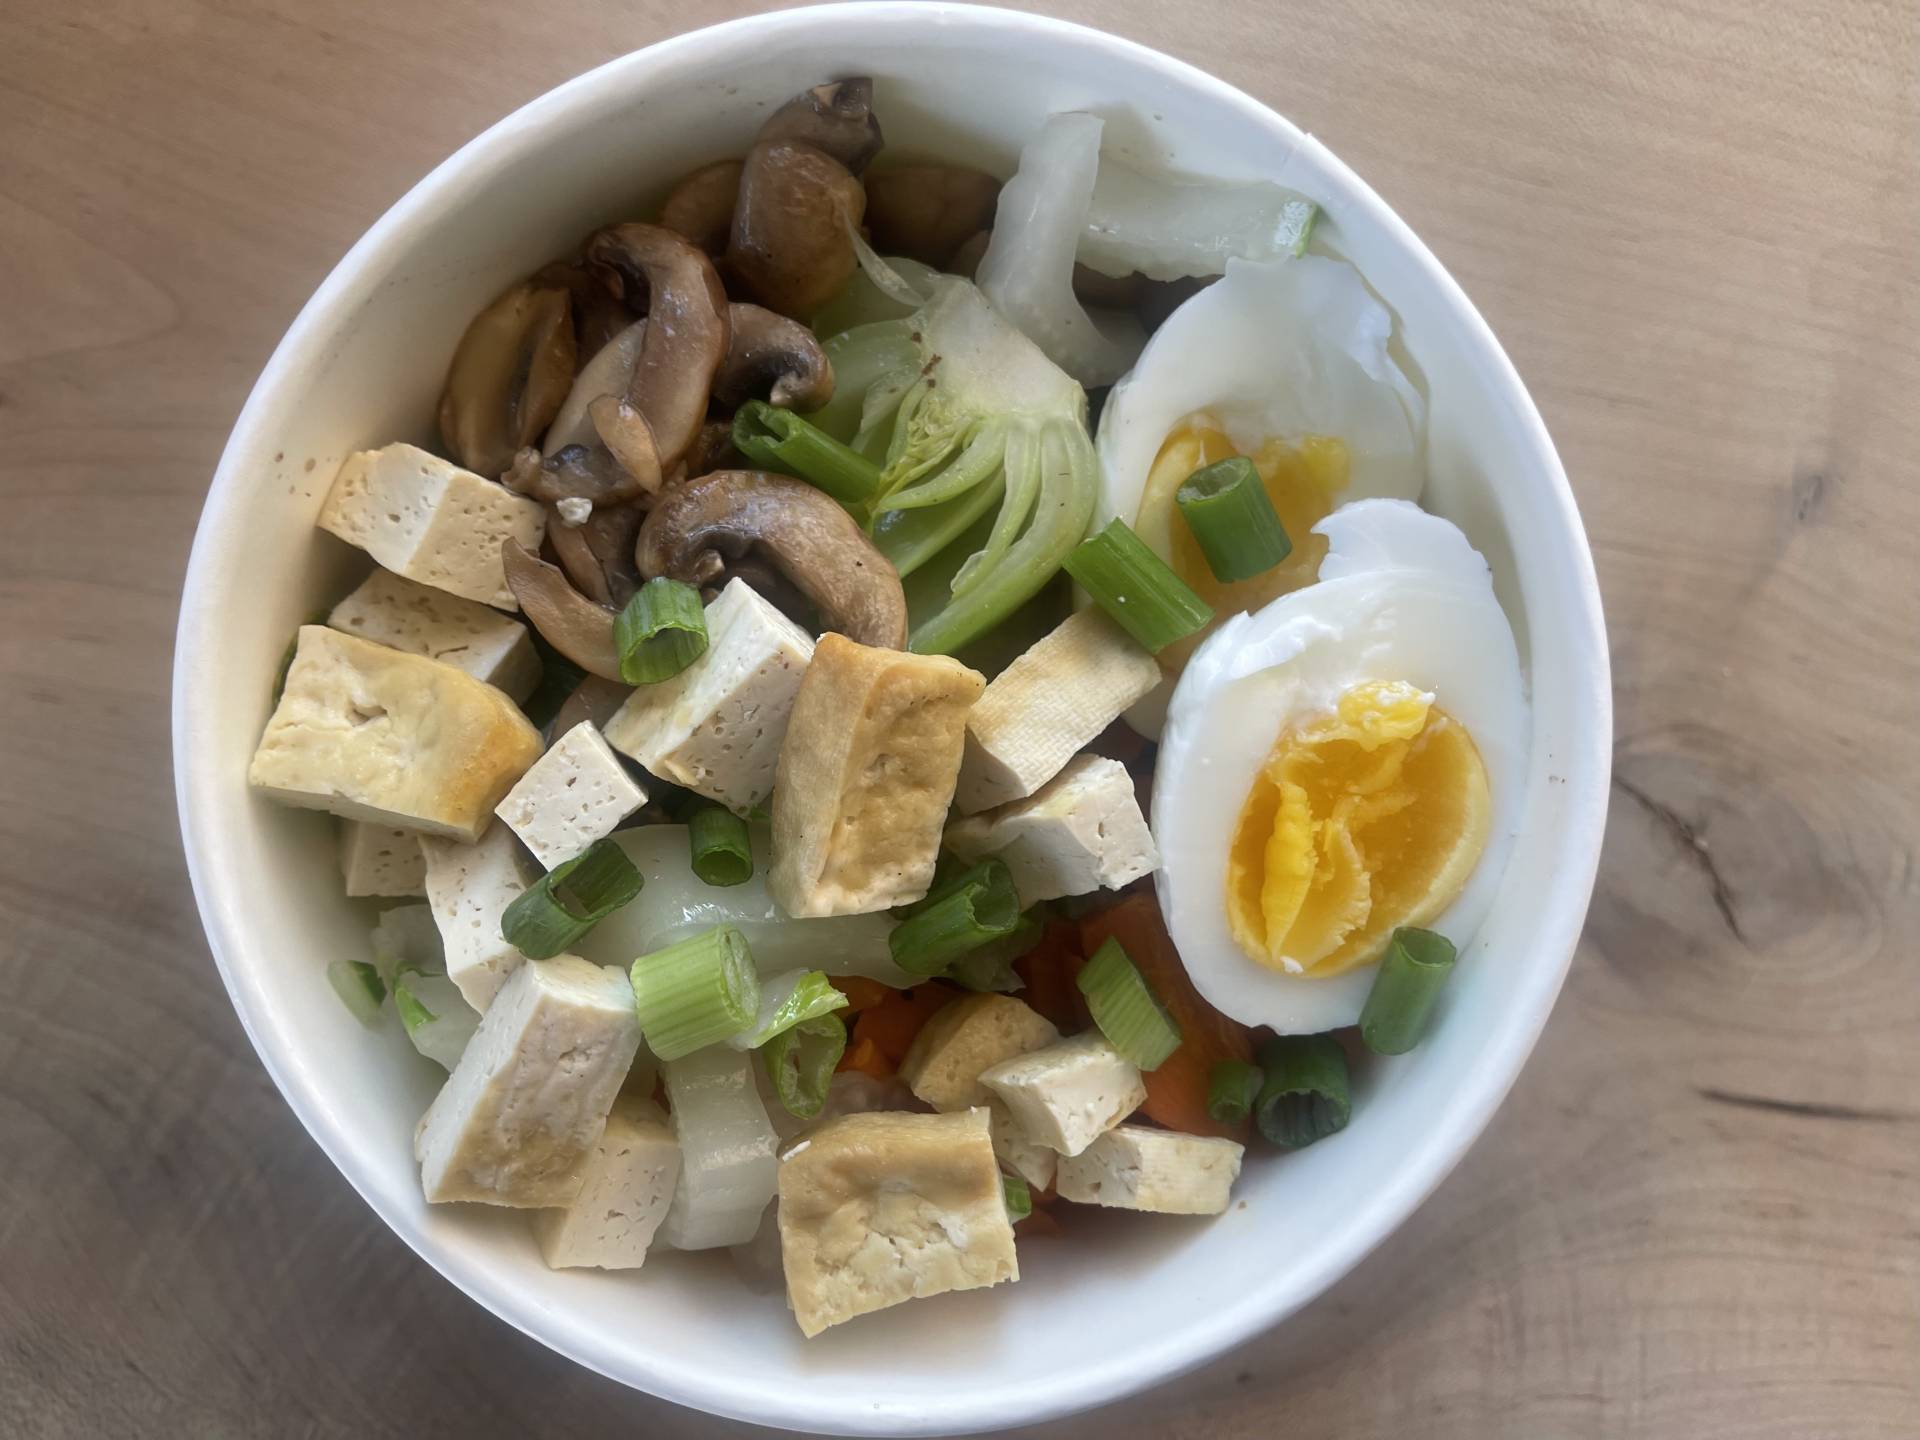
(1126, 1009)
(1232, 1087)
(405, 938)
(722, 850)
(438, 1019)
(1227, 508)
(800, 1062)
(359, 987)
(1405, 989)
(776, 439)
(785, 1001)
(696, 993)
(661, 632)
(1305, 1095)
(1019, 1198)
(978, 906)
(570, 900)
(964, 414)
(1136, 587)
(991, 966)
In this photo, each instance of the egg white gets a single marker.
(1402, 596)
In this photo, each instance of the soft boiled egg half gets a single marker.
(1348, 759)
(1285, 362)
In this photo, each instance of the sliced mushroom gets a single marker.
(926, 212)
(701, 206)
(609, 372)
(592, 699)
(774, 588)
(836, 118)
(773, 356)
(687, 330)
(575, 626)
(574, 472)
(712, 449)
(792, 245)
(598, 314)
(597, 552)
(698, 526)
(966, 260)
(628, 438)
(509, 375)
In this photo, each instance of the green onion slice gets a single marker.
(800, 1062)
(359, 987)
(722, 853)
(1126, 1009)
(1227, 508)
(978, 906)
(696, 993)
(1232, 1087)
(1405, 989)
(787, 1000)
(1305, 1095)
(662, 631)
(570, 900)
(1136, 587)
(991, 966)
(1019, 1198)
(776, 439)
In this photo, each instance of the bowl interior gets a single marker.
(1127, 1300)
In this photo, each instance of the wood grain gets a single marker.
(1695, 225)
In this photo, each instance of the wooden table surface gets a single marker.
(1695, 225)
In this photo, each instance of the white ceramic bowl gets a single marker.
(1144, 1297)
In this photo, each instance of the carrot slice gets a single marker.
(1177, 1091)
(1049, 970)
(865, 1056)
(861, 993)
(892, 1024)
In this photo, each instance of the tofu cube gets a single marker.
(965, 1037)
(625, 1188)
(431, 521)
(390, 609)
(1135, 1167)
(468, 888)
(1018, 1151)
(716, 727)
(1082, 831)
(381, 860)
(884, 1207)
(520, 1114)
(1068, 1095)
(1047, 705)
(574, 795)
(866, 775)
(375, 734)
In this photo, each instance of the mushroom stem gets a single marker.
(575, 626)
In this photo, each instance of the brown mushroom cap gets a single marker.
(836, 118)
(927, 212)
(792, 245)
(592, 699)
(608, 372)
(598, 314)
(575, 472)
(575, 626)
(509, 375)
(700, 207)
(687, 329)
(699, 525)
(773, 356)
(597, 553)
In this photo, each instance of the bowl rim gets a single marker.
(990, 1406)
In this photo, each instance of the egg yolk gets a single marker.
(1360, 821)
(1301, 480)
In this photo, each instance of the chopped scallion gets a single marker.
(978, 906)
(1305, 1095)
(1404, 990)
(1232, 1086)
(696, 993)
(662, 631)
(787, 1000)
(1226, 506)
(1125, 1008)
(1136, 587)
(991, 966)
(359, 987)
(777, 439)
(722, 851)
(1019, 1198)
(570, 900)
(800, 1062)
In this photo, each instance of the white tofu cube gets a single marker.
(469, 887)
(574, 795)
(1082, 831)
(429, 520)
(374, 734)
(1135, 1167)
(381, 860)
(1068, 1095)
(964, 1038)
(884, 1207)
(1016, 1150)
(521, 1112)
(716, 727)
(390, 609)
(1047, 705)
(624, 1192)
